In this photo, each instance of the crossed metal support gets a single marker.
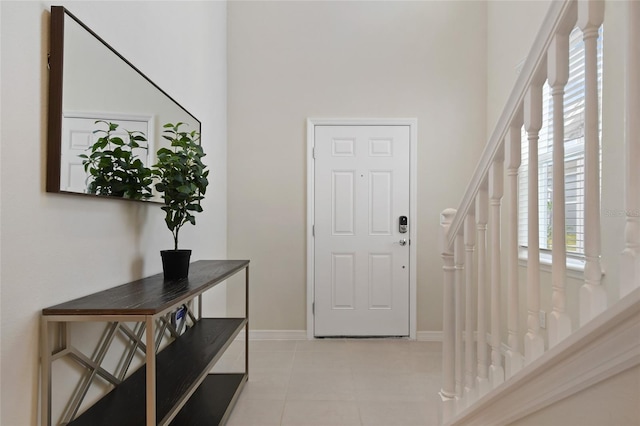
(167, 329)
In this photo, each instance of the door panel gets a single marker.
(361, 277)
(78, 136)
(343, 189)
(343, 288)
(380, 202)
(380, 279)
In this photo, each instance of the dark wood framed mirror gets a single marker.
(93, 87)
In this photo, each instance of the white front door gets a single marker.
(78, 137)
(361, 273)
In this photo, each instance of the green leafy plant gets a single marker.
(182, 177)
(114, 169)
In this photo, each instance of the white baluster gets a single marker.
(459, 306)
(470, 312)
(533, 341)
(496, 179)
(513, 358)
(630, 271)
(448, 391)
(558, 75)
(593, 299)
(481, 222)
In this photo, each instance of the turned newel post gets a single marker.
(533, 341)
(482, 201)
(558, 76)
(496, 179)
(593, 299)
(630, 271)
(470, 312)
(448, 391)
(513, 357)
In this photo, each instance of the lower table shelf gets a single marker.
(180, 366)
(212, 403)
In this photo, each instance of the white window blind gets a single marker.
(573, 157)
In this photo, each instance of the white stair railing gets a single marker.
(474, 361)
(533, 342)
(481, 208)
(448, 391)
(469, 307)
(514, 358)
(496, 371)
(558, 76)
(593, 299)
(630, 271)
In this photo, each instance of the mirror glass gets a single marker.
(100, 91)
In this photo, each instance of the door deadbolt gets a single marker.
(403, 224)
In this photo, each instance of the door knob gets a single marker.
(403, 242)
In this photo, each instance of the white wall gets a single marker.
(58, 247)
(293, 60)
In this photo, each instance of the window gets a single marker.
(573, 157)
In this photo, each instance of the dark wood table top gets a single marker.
(151, 295)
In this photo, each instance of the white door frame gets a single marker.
(413, 217)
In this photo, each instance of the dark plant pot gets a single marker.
(175, 264)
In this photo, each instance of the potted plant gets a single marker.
(114, 168)
(182, 180)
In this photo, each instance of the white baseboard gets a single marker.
(275, 335)
(423, 336)
(429, 336)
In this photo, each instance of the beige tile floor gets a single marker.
(338, 382)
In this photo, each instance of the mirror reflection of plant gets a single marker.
(114, 169)
(182, 177)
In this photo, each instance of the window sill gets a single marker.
(575, 264)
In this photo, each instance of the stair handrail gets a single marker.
(534, 63)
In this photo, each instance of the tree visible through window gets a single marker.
(573, 158)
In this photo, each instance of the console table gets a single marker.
(174, 385)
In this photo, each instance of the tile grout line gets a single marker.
(286, 392)
(347, 349)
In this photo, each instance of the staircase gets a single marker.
(531, 316)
